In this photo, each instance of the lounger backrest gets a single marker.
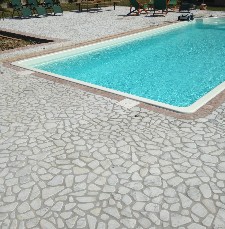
(134, 3)
(160, 4)
(49, 2)
(33, 2)
(173, 2)
(16, 3)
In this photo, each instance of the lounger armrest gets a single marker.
(47, 4)
(56, 2)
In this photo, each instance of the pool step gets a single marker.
(128, 103)
(26, 72)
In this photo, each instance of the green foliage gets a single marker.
(214, 8)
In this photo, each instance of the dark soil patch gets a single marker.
(11, 40)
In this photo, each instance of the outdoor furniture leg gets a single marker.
(2, 15)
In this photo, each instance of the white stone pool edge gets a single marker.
(28, 63)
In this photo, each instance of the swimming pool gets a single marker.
(178, 67)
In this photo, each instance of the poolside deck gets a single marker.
(71, 158)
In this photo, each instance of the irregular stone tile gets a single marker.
(78, 179)
(123, 190)
(174, 181)
(134, 185)
(170, 192)
(101, 225)
(8, 207)
(93, 187)
(9, 199)
(139, 196)
(57, 206)
(134, 157)
(152, 207)
(206, 190)
(193, 182)
(96, 211)
(195, 225)
(60, 223)
(214, 188)
(126, 212)
(57, 180)
(164, 215)
(91, 221)
(126, 199)
(199, 210)
(3, 216)
(71, 222)
(153, 191)
(46, 224)
(69, 180)
(209, 158)
(24, 171)
(86, 206)
(154, 218)
(113, 180)
(138, 206)
(11, 182)
(108, 188)
(80, 170)
(133, 168)
(106, 163)
(32, 222)
(175, 207)
(153, 181)
(185, 201)
(50, 191)
(136, 177)
(219, 221)
(144, 222)
(81, 223)
(208, 220)
(194, 194)
(113, 224)
(220, 176)
(104, 196)
(221, 166)
(49, 202)
(24, 207)
(129, 223)
(112, 211)
(117, 170)
(65, 215)
(143, 172)
(179, 220)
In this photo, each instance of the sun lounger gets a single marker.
(22, 10)
(187, 5)
(160, 5)
(172, 4)
(138, 7)
(38, 9)
(53, 6)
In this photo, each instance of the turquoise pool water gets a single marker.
(176, 67)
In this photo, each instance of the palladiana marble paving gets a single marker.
(73, 159)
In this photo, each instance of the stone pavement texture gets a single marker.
(73, 159)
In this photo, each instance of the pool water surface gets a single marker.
(173, 68)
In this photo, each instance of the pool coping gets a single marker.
(203, 111)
